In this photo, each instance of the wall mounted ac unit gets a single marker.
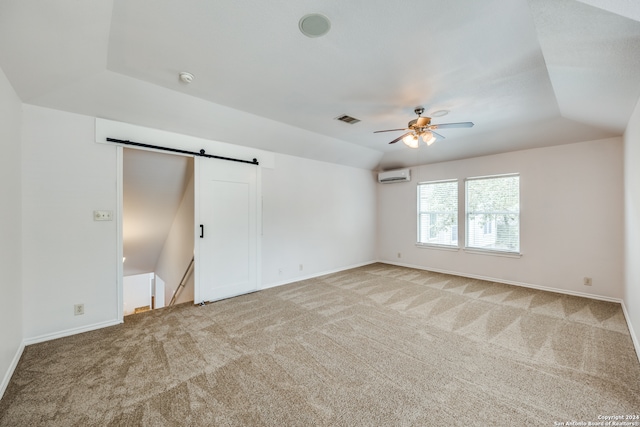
(389, 177)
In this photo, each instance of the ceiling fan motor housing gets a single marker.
(422, 127)
(423, 122)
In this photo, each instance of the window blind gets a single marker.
(493, 213)
(438, 213)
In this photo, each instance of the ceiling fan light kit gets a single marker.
(422, 128)
(428, 137)
(411, 140)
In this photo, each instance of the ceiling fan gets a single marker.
(422, 128)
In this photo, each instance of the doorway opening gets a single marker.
(157, 229)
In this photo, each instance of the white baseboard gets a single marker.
(11, 370)
(634, 337)
(507, 282)
(48, 337)
(314, 275)
(68, 332)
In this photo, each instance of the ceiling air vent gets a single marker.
(347, 119)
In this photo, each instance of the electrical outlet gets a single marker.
(301, 267)
(103, 215)
(399, 255)
(78, 309)
(587, 281)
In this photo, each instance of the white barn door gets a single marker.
(226, 211)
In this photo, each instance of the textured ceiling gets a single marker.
(527, 73)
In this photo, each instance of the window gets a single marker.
(438, 213)
(493, 213)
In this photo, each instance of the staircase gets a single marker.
(183, 282)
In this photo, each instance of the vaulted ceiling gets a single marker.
(528, 73)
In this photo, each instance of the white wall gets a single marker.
(68, 258)
(632, 223)
(53, 255)
(158, 292)
(318, 215)
(10, 231)
(571, 219)
(178, 250)
(136, 291)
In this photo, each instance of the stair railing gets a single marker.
(183, 282)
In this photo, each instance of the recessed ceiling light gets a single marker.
(186, 77)
(314, 25)
(440, 113)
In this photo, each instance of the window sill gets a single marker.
(494, 253)
(438, 247)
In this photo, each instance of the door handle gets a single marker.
(201, 231)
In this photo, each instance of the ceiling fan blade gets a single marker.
(452, 125)
(437, 135)
(389, 130)
(422, 121)
(399, 138)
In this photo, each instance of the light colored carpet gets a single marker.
(374, 346)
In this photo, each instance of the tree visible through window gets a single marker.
(493, 213)
(438, 213)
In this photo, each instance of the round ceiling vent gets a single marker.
(440, 113)
(314, 25)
